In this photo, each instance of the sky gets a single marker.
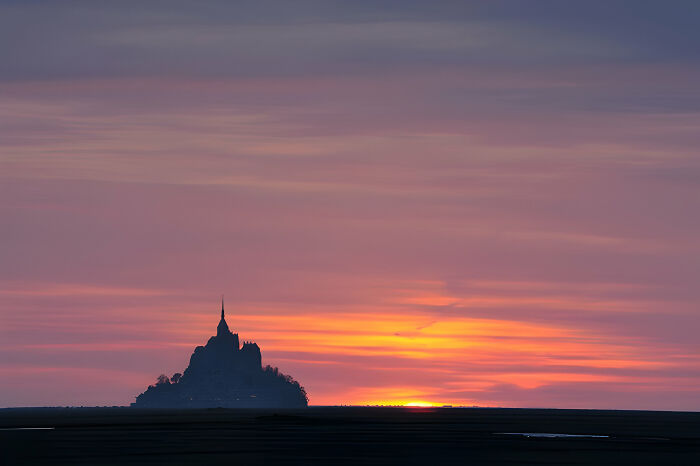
(485, 203)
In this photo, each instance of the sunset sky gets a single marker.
(489, 203)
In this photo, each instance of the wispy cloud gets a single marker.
(501, 196)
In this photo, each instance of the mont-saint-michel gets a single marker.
(224, 374)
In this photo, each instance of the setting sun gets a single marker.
(421, 404)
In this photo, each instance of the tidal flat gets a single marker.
(347, 435)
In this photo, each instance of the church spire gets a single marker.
(222, 328)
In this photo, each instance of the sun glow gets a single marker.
(421, 404)
(401, 402)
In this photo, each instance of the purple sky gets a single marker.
(478, 203)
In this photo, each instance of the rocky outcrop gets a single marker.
(221, 374)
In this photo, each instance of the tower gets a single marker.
(223, 334)
(222, 328)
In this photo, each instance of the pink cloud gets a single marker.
(366, 231)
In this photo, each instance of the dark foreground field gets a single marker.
(346, 436)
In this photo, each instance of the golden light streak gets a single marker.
(399, 340)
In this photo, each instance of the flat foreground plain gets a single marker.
(346, 435)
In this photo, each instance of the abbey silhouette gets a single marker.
(222, 374)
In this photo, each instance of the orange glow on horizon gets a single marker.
(403, 354)
(421, 404)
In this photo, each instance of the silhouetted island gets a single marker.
(223, 375)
